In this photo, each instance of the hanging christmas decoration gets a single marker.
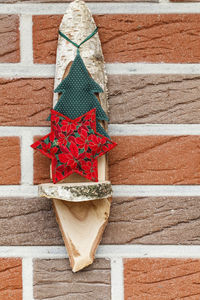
(78, 140)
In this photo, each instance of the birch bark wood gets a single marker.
(82, 224)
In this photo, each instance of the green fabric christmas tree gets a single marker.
(78, 94)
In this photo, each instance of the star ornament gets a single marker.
(74, 146)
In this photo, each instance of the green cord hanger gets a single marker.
(78, 45)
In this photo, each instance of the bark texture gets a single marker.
(76, 192)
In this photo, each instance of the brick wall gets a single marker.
(151, 246)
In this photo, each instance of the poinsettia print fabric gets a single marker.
(74, 146)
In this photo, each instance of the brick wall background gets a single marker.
(151, 247)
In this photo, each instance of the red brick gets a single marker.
(164, 98)
(130, 38)
(9, 36)
(10, 279)
(10, 172)
(41, 166)
(64, 1)
(161, 278)
(155, 160)
(184, 0)
(145, 160)
(45, 35)
(25, 102)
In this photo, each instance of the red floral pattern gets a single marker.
(74, 146)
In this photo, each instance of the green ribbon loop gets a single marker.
(78, 45)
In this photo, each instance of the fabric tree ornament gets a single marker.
(78, 91)
(74, 146)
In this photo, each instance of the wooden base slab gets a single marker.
(76, 192)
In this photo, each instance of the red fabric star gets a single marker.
(74, 146)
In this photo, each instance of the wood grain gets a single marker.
(53, 279)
